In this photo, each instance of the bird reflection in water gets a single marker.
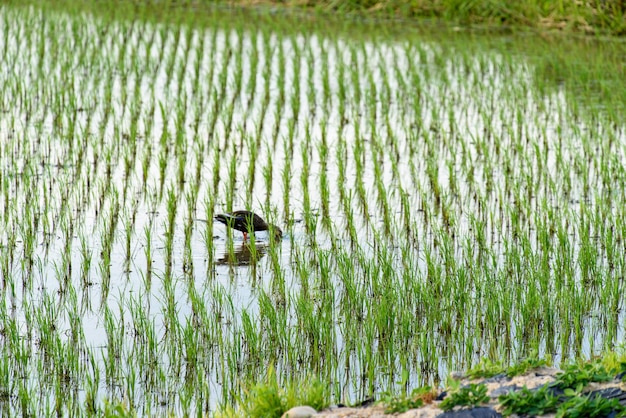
(244, 254)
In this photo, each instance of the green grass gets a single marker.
(527, 402)
(586, 406)
(416, 399)
(268, 399)
(446, 197)
(489, 368)
(472, 396)
(593, 17)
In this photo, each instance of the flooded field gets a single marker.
(443, 198)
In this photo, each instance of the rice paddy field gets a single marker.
(445, 196)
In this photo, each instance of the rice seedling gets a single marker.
(446, 198)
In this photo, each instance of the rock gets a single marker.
(611, 393)
(503, 390)
(300, 412)
(481, 412)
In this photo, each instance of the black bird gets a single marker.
(248, 222)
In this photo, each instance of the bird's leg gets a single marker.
(245, 236)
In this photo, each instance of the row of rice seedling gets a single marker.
(442, 202)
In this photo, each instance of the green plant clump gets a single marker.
(530, 363)
(527, 402)
(268, 399)
(578, 375)
(401, 404)
(117, 409)
(615, 362)
(485, 368)
(588, 407)
(416, 399)
(473, 395)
